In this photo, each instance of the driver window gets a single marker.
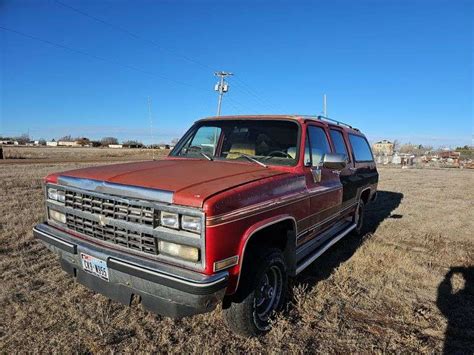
(205, 141)
(319, 144)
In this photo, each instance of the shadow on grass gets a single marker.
(457, 305)
(375, 213)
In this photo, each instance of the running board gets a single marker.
(323, 248)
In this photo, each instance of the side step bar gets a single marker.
(318, 252)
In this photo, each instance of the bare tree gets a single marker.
(83, 141)
(133, 144)
(23, 139)
(108, 140)
(396, 145)
(67, 138)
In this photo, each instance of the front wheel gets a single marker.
(263, 293)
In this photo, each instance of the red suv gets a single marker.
(241, 204)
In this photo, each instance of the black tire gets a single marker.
(261, 293)
(359, 218)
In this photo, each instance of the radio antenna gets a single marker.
(325, 113)
(151, 128)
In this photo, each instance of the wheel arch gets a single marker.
(258, 229)
(365, 195)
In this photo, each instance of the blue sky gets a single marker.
(396, 69)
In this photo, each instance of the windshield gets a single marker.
(265, 141)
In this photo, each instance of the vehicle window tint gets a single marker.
(319, 144)
(360, 148)
(273, 142)
(205, 141)
(339, 143)
(307, 153)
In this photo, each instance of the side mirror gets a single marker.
(334, 161)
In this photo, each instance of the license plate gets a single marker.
(95, 266)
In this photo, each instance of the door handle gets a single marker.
(352, 169)
(337, 172)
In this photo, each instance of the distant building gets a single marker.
(52, 144)
(9, 142)
(115, 146)
(68, 144)
(383, 147)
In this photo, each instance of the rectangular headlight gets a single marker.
(57, 216)
(170, 220)
(190, 223)
(56, 195)
(61, 196)
(180, 251)
(52, 194)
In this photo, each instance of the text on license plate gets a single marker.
(95, 266)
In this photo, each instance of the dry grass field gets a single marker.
(61, 154)
(406, 286)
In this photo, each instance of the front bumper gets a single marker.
(162, 289)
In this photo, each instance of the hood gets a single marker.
(189, 181)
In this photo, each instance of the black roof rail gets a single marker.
(323, 118)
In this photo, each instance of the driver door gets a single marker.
(323, 185)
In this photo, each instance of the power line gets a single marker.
(134, 35)
(254, 99)
(251, 92)
(78, 51)
(246, 88)
(242, 106)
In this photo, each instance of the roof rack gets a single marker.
(323, 118)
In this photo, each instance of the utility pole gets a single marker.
(221, 87)
(325, 113)
(151, 128)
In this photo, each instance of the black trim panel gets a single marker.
(150, 275)
(58, 243)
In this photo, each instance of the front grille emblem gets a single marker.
(102, 220)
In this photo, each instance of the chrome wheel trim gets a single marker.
(268, 293)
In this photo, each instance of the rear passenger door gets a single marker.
(347, 174)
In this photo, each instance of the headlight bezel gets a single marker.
(55, 194)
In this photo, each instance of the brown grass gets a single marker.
(79, 153)
(384, 292)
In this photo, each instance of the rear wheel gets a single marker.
(262, 293)
(359, 218)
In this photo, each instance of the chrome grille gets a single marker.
(110, 208)
(124, 237)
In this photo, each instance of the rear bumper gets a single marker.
(162, 289)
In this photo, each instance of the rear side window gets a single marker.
(339, 143)
(360, 148)
(319, 144)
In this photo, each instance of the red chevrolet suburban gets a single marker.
(241, 204)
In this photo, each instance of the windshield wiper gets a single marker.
(248, 157)
(206, 156)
